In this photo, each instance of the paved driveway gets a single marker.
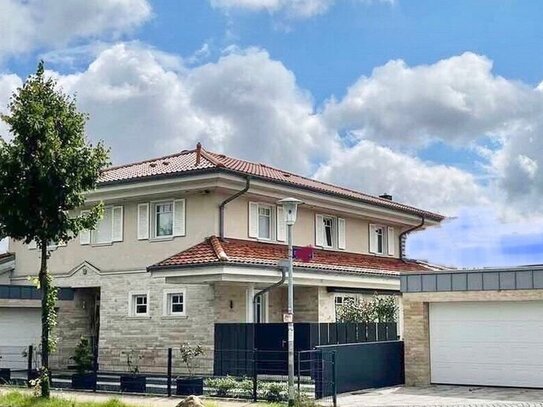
(443, 396)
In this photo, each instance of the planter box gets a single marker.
(133, 384)
(85, 381)
(5, 376)
(190, 386)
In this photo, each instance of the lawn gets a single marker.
(17, 399)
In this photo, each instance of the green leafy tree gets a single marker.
(379, 308)
(385, 308)
(45, 170)
(83, 356)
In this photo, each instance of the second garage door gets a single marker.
(19, 328)
(487, 343)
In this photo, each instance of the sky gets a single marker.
(438, 103)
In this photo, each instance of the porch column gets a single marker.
(249, 309)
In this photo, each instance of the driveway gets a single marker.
(442, 396)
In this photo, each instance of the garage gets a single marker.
(19, 327)
(481, 327)
(487, 343)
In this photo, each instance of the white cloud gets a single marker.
(33, 24)
(8, 84)
(375, 169)
(456, 99)
(245, 104)
(298, 9)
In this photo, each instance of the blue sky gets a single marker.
(435, 102)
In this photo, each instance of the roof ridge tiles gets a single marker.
(217, 248)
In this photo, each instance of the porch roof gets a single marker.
(214, 251)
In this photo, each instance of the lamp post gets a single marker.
(290, 208)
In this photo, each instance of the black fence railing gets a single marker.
(255, 374)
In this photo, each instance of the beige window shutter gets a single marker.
(253, 219)
(85, 235)
(143, 221)
(341, 233)
(373, 238)
(391, 241)
(319, 230)
(117, 224)
(179, 217)
(281, 224)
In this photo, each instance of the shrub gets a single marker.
(223, 385)
(272, 391)
(83, 356)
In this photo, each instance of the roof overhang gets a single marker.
(269, 275)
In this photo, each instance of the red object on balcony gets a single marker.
(304, 254)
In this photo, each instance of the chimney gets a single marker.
(386, 196)
(198, 153)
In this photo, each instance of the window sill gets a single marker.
(139, 317)
(174, 317)
(101, 244)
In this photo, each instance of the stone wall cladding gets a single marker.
(416, 324)
(226, 293)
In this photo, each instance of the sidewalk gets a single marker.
(140, 401)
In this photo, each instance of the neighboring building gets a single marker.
(187, 239)
(480, 327)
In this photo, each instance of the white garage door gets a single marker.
(487, 343)
(19, 328)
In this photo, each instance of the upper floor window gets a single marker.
(260, 220)
(329, 231)
(161, 219)
(109, 228)
(382, 240)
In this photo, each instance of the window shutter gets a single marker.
(179, 217)
(281, 225)
(391, 242)
(117, 232)
(341, 233)
(253, 219)
(143, 221)
(32, 245)
(85, 235)
(319, 231)
(373, 239)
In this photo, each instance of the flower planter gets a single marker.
(133, 384)
(190, 386)
(5, 376)
(85, 381)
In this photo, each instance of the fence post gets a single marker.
(334, 379)
(95, 370)
(299, 371)
(255, 374)
(29, 365)
(169, 372)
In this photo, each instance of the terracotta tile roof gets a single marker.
(201, 160)
(247, 252)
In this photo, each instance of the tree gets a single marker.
(45, 171)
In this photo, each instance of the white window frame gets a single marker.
(270, 222)
(334, 235)
(256, 222)
(92, 241)
(167, 305)
(154, 216)
(384, 247)
(132, 295)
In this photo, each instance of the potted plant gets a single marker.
(85, 378)
(133, 382)
(191, 385)
(5, 374)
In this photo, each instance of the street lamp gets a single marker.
(290, 208)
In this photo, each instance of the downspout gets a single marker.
(421, 224)
(267, 289)
(228, 200)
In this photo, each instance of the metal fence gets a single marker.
(255, 374)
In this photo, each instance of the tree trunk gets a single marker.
(44, 284)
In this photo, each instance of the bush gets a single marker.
(302, 400)
(272, 391)
(380, 308)
(222, 385)
(246, 387)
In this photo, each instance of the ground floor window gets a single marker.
(139, 304)
(175, 302)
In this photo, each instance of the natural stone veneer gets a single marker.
(416, 324)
